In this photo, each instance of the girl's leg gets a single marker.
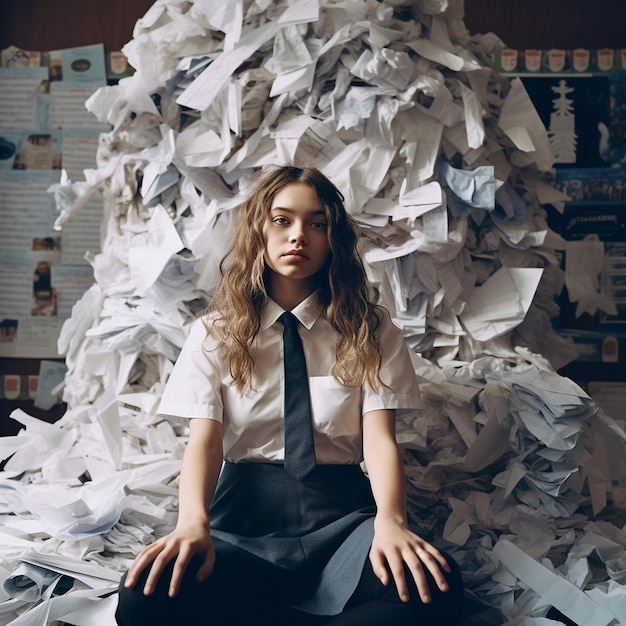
(372, 604)
(219, 599)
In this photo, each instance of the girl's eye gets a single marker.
(281, 221)
(319, 225)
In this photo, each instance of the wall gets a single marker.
(55, 24)
(566, 24)
(52, 25)
(544, 24)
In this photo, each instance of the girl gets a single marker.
(255, 539)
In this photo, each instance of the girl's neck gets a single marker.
(290, 293)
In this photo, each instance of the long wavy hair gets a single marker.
(343, 287)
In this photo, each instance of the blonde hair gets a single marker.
(343, 288)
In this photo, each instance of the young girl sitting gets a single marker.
(277, 519)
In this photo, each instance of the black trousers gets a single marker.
(284, 543)
(222, 599)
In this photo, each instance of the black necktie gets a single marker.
(299, 447)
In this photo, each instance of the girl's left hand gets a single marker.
(393, 546)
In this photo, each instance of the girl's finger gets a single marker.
(396, 565)
(180, 565)
(430, 562)
(429, 551)
(378, 567)
(416, 562)
(142, 560)
(207, 567)
(158, 566)
(435, 562)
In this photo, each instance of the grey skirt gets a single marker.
(301, 544)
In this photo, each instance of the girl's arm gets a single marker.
(200, 469)
(394, 544)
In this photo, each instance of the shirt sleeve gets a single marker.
(194, 388)
(400, 390)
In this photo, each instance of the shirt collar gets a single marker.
(307, 311)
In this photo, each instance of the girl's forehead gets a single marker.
(296, 194)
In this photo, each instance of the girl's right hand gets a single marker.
(182, 544)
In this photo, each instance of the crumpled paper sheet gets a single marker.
(446, 170)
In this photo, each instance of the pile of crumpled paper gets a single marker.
(446, 167)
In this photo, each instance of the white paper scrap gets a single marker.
(551, 586)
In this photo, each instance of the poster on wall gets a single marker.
(44, 129)
(575, 111)
(617, 130)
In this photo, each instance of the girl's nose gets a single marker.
(297, 234)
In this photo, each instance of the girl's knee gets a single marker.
(447, 606)
(134, 607)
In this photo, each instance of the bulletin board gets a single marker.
(95, 27)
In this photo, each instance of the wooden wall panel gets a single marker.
(52, 24)
(545, 24)
(55, 24)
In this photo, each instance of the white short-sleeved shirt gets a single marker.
(200, 386)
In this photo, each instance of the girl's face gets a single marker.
(295, 232)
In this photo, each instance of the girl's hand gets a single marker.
(393, 546)
(182, 544)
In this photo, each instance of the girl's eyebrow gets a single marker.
(288, 210)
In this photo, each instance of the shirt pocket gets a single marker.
(336, 409)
